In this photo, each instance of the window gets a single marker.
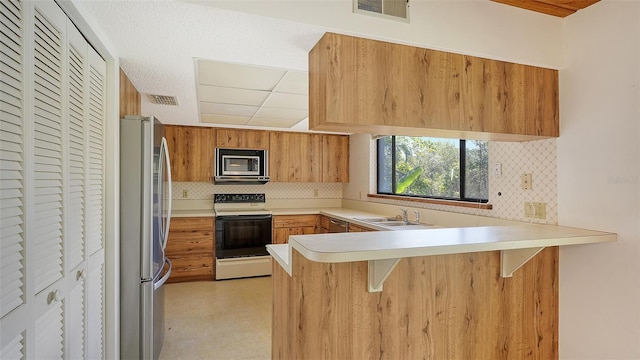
(433, 168)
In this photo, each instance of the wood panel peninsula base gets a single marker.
(445, 298)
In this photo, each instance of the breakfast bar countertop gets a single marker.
(380, 245)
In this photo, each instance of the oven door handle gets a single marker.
(243, 217)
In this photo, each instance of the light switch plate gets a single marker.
(497, 170)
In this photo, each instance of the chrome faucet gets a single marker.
(417, 216)
(405, 218)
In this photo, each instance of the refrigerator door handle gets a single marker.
(164, 149)
(163, 279)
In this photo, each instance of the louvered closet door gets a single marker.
(45, 220)
(95, 164)
(74, 161)
(95, 121)
(46, 227)
(52, 117)
(12, 200)
(12, 241)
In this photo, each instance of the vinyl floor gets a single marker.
(229, 319)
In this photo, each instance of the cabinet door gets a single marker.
(286, 225)
(191, 249)
(191, 151)
(398, 90)
(357, 228)
(242, 139)
(295, 157)
(335, 158)
(281, 235)
(324, 224)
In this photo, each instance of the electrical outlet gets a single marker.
(185, 193)
(497, 170)
(540, 210)
(535, 210)
(529, 210)
(315, 192)
(526, 182)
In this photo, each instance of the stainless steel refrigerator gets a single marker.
(145, 214)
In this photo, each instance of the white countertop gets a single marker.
(366, 246)
(192, 213)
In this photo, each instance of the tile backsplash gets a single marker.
(273, 190)
(537, 158)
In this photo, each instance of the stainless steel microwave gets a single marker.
(246, 166)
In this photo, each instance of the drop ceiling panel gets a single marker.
(236, 94)
(227, 109)
(238, 76)
(287, 101)
(284, 114)
(294, 82)
(216, 94)
(270, 122)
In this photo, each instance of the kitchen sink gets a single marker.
(392, 222)
(378, 220)
(398, 223)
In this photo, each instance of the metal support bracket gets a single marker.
(379, 270)
(512, 260)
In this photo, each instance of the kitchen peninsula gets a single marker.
(442, 293)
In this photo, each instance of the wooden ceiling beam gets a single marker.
(560, 8)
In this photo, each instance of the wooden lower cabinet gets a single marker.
(357, 228)
(324, 224)
(191, 249)
(453, 306)
(286, 225)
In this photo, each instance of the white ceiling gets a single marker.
(226, 68)
(161, 43)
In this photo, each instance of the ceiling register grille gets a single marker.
(395, 8)
(164, 100)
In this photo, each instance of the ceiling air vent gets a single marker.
(164, 100)
(398, 9)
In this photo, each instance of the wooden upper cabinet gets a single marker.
(130, 99)
(335, 158)
(368, 86)
(191, 151)
(242, 139)
(295, 157)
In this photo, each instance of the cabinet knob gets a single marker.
(54, 296)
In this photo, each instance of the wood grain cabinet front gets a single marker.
(191, 150)
(295, 157)
(335, 158)
(367, 86)
(300, 157)
(191, 249)
(357, 228)
(286, 225)
(242, 139)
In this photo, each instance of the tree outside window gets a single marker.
(433, 168)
